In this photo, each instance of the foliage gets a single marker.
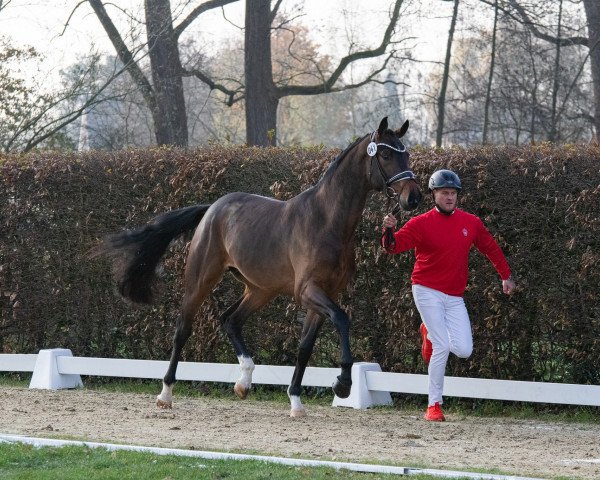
(540, 202)
(34, 115)
(522, 90)
(17, 99)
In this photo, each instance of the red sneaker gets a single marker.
(434, 413)
(426, 347)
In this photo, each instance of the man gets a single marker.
(442, 238)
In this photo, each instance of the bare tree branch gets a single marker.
(361, 55)
(526, 20)
(42, 131)
(124, 53)
(178, 30)
(275, 9)
(233, 96)
(320, 88)
(66, 25)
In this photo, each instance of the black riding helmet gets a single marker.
(444, 179)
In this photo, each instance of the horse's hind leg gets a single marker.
(233, 321)
(183, 330)
(312, 325)
(192, 300)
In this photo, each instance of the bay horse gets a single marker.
(302, 248)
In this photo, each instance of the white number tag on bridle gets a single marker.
(372, 149)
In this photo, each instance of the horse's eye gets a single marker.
(386, 154)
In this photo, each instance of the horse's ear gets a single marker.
(402, 130)
(382, 126)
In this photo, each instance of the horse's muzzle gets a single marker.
(410, 196)
(414, 199)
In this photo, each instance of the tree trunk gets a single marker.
(169, 114)
(442, 98)
(552, 136)
(488, 93)
(592, 10)
(261, 95)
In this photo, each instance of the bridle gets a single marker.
(372, 151)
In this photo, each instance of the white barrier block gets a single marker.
(360, 395)
(46, 375)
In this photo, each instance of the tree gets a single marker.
(261, 91)
(441, 101)
(488, 92)
(303, 118)
(164, 97)
(554, 117)
(33, 116)
(526, 89)
(119, 122)
(35, 113)
(592, 10)
(169, 114)
(258, 89)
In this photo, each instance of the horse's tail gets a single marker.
(136, 253)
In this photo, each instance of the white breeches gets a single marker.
(449, 330)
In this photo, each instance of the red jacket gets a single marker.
(442, 244)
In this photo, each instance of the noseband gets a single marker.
(372, 150)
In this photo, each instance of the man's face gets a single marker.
(445, 198)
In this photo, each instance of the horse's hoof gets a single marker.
(340, 389)
(162, 404)
(297, 413)
(240, 390)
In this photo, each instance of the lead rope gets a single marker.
(389, 240)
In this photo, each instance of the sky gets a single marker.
(41, 24)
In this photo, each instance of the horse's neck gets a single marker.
(342, 196)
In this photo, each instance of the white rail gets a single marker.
(57, 368)
(19, 362)
(519, 391)
(202, 372)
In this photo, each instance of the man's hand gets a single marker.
(390, 221)
(508, 286)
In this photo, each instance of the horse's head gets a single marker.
(389, 157)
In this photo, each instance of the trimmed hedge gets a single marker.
(540, 202)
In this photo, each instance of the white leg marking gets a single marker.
(242, 386)
(165, 399)
(297, 407)
(247, 367)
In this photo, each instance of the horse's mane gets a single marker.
(337, 160)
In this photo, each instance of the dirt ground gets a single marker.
(385, 435)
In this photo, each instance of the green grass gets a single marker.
(14, 379)
(23, 462)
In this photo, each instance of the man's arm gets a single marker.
(403, 239)
(487, 245)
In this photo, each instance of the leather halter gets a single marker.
(372, 151)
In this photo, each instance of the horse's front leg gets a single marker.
(341, 387)
(315, 298)
(312, 325)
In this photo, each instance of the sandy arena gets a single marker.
(385, 435)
